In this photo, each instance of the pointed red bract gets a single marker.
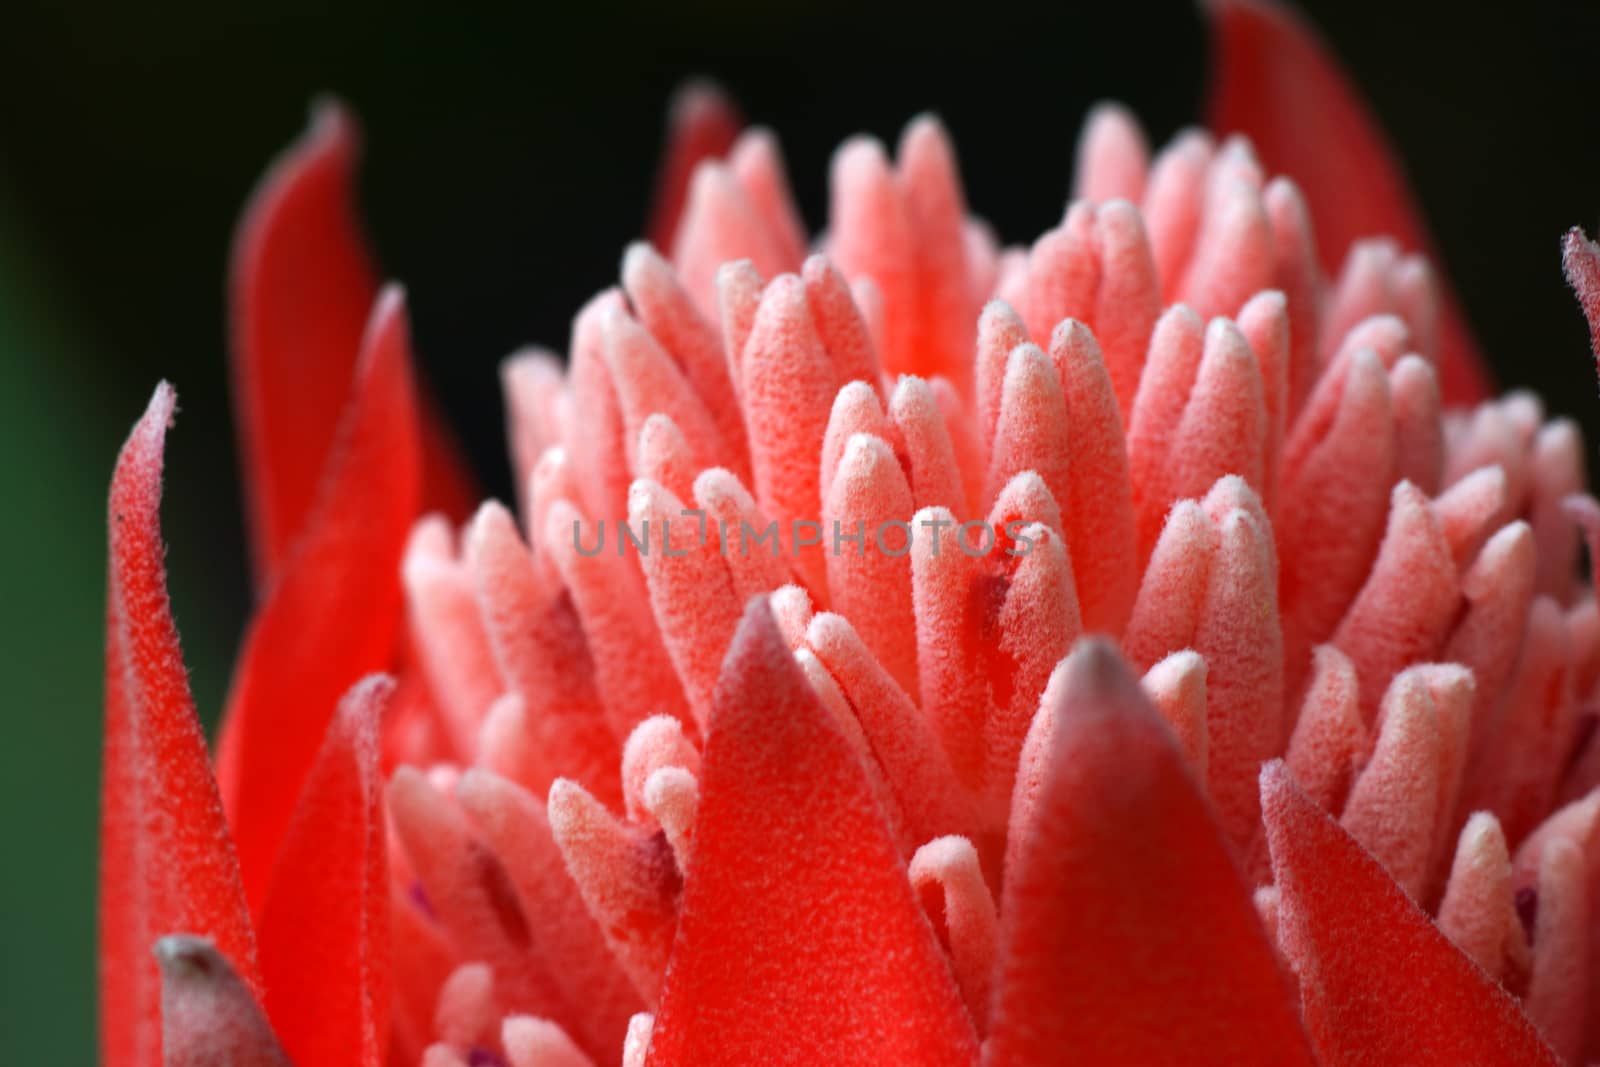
(1276, 82)
(325, 928)
(166, 862)
(301, 289)
(1379, 983)
(1580, 259)
(800, 940)
(302, 285)
(1128, 935)
(701, 124)
(334, 613)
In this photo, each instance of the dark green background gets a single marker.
(508, 163)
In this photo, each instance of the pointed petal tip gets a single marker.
(701, 99)
(187, 956)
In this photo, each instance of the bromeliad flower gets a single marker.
(1135, 648)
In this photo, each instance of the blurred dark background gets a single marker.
(508, 162)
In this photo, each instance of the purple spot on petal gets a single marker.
(482, 1057)
(419, 897)
(1527, 902)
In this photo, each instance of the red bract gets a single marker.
(911, 650)
(1278, 86)
(167, 863)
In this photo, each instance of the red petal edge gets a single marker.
(325, 928)
(334, 613)
(799, 938)
(1129, 935)
(1275, 81)
(302, 286)
(1379, 982)
(167, 864)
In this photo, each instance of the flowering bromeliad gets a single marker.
(1321, 793)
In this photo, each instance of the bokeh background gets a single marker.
(508, 162)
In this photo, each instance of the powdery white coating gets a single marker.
(930, 458)
(930, 798)
(442, 1056)
(593, 443)
(1129, 299)
(671, 796)
(664, 456)
(692, 596)
(1331, 514)
(1409, 601)
(656, 742)
(208, 1014)
(1498, 590)
(741, 534)
(1175, 351)
(1466, 512)
(841, 324)
(1478, 913)
(1177, 687)
(1393, 804)
(637, 1045)
(1000, 331)
(869, 580)
(627, 877)
(1237, 633)
(1264, 324)
(1031, 428)
(719, 225)
(1580, 258)
(948, 880)
(1232, 259)
(531, 1042)
(1172, 592)
(1037, 622)
(1223, 429)
(1330, 743)
(1098, 506)
(649, 382)
(1063, 274)
(664, 308)
(466, 1011)
(843, 715)
(1418, 434)
(446, 628)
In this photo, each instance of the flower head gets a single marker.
(1146, 642)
